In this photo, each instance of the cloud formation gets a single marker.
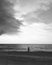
(8, 24)
(29, 11)
(41, 14)
(37, 11)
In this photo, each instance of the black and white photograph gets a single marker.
(25, 54)
(25, 32)
(26, 21)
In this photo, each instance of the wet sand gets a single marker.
(25, 58)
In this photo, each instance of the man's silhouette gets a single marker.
(28, 49)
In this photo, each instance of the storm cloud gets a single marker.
(8, 24)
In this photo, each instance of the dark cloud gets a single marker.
(8, 24)
(46, 16)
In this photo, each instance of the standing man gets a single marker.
(28, 49)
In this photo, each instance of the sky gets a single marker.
(36, 19)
